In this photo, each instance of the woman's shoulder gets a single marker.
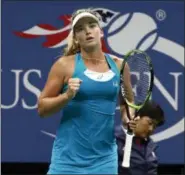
(63, 64)
(65, 60)
(116, 59)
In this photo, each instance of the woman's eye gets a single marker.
(79, 29)
(92, 25)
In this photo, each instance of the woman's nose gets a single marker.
(87, 30)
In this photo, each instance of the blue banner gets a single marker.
(33, 37)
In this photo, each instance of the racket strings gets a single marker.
(140, 77)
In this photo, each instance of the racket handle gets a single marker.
(127, 150)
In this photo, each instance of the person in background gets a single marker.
(144, 160)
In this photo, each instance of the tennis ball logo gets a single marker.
(132, 31)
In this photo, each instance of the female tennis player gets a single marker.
(84, 84)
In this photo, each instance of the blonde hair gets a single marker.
(73, 47)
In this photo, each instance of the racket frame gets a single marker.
(126, 57)
(129, 134)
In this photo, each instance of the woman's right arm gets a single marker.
(51, 100)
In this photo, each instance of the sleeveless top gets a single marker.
(85, 135)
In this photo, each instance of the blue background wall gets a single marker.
(157, 27)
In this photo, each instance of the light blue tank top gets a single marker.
(85, 136)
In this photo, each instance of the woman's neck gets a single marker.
(94, 55)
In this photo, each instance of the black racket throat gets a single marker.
(129, 131)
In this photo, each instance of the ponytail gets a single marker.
(72, 47)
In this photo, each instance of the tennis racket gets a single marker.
(136, 81)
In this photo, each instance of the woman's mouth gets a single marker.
(89, 38)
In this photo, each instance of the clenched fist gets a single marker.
(73, 87)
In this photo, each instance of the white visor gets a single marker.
(82, 15)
